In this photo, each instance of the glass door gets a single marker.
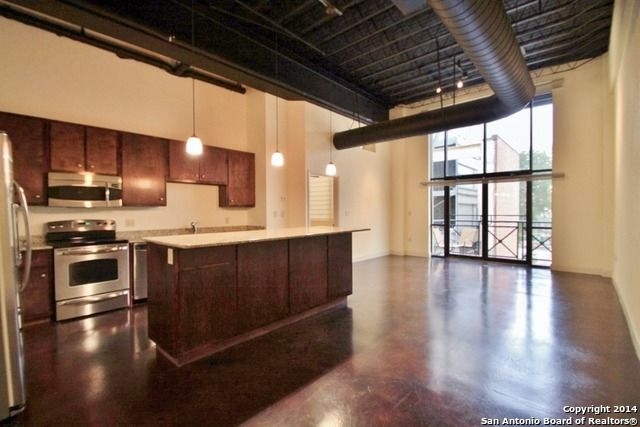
(489, 200)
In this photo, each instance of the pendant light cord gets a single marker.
(193, 81)
(276, 70)
(193, 101)
(330, 136)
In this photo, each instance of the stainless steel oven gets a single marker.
(91, 267)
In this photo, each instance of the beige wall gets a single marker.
(54, 77)
(363, 182)
(625, 79)
(582, 201)
(49, 76)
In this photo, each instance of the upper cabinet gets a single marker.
(209, 168)
(30, 164)
(144, 170)
(101, 151)
(213, 166)
(77, 148)
(145, 163)
(240, 190)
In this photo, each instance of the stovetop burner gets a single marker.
(81, 232)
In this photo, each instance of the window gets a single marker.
(493, 219)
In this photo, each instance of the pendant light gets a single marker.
(277, 159)
(331, 169)
(194, 144)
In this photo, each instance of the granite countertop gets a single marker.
(39, 242)
(142, 235)
(200, 240)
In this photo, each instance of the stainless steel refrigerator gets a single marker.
(13, 208)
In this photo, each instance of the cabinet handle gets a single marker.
(202, 176)
(162, 199)
(92, 166)
(43, 275)
(79, 165)
(37, 196)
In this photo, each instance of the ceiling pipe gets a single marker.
(483, 31)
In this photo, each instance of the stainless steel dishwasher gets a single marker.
(139, 271)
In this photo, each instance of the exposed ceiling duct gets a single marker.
(483, 30)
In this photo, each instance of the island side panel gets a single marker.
(162, 297)
(307, 272)
(340, 265)
(207, 295)
(263, 283)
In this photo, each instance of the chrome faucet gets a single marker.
(194, 227)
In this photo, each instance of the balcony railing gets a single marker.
(506, 238)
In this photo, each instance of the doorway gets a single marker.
(322, 200)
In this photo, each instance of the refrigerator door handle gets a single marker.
(24, 209)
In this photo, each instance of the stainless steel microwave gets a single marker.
(84, 190)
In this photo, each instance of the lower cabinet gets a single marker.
(204, 299)
(208, 295)
(263, 293)
(340, 266)
(307, 272)
(36, 301)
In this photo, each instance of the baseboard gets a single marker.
(371, 256)
(409, 253)
(633, 332)
(582, 270)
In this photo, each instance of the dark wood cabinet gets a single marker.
(263, 286)
(205, 299)
(77, 148)
(213, 166)
(340, 266)
(30, 164)
(209, 168)
(307, 272)
(36, 301)
(192, 296)
(144, 170)
(240, 190)
(207, 288)
(182, 166)
(101, 151)
(66, 142)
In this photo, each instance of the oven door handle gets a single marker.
(102, 250)
(93, 299)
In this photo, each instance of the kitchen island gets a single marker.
(210, 291)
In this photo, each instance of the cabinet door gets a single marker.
(144, 170)
(207, 289)
(340, 280)
(66, 141)
(36, 301)
(240, 190)
(307, 272)
(263, 294)
(213, 166)
(29, 161)
(101, 151)
(182, 166)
